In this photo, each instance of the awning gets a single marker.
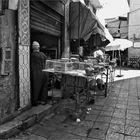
(119, 44)
(83, 22)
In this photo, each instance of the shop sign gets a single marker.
(136, 44)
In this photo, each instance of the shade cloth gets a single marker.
(119, 44)
(83, 22)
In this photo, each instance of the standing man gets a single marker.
(39, 79)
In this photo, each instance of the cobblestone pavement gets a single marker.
(116, 117)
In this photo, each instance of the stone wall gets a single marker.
(8, 83)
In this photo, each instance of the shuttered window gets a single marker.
(6, 61)
(45, 19)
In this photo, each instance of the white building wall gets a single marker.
(134, 28)
(124, 29)
(118, 28)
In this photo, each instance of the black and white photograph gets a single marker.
(69, 69)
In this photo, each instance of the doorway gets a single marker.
(48, 44)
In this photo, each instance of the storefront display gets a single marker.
(78, 83)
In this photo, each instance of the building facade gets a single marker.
(43, 21)
(21, 23)
(134, 28)
(118, 27)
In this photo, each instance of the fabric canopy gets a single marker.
(119, 44)
(83, 22)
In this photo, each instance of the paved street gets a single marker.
(116, 117)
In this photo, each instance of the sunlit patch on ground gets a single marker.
(127, 73)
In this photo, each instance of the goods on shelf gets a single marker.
(59, 65)
(89, 71)
(49, 64)
(63, 66)
(80, 65)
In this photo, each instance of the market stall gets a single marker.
(120, 45)
(96, 76)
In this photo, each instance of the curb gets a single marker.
(25, 120)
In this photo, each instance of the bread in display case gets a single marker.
(60, 66)
(49, 64)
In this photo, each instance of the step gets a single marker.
(25, 120)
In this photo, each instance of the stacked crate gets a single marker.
(132, 61)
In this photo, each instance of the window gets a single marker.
(137, 45)
(5, 61)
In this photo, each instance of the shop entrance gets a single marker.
(46, 27)
(48, 44)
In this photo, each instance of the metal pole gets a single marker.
(79, 29)
(120, 61)
(120, 65)
(113, 54)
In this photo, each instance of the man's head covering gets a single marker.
(35, 45)
(98, 53)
